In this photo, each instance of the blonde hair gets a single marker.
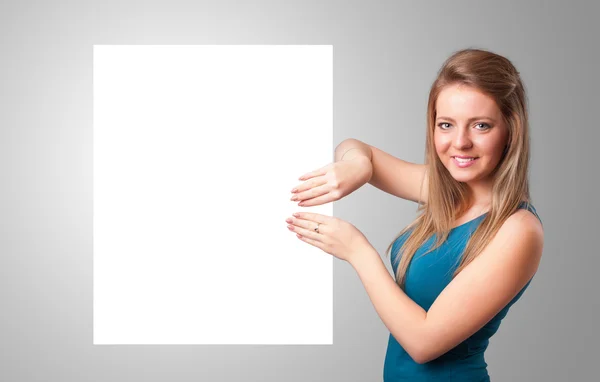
(448, 199)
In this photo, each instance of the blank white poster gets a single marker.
(196, 150)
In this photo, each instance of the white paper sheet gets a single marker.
(196, 149)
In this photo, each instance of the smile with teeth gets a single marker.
(461, 160)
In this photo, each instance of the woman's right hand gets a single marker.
(333, 182)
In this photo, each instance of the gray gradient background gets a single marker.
(386, 54)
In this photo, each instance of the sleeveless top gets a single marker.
(426, 277)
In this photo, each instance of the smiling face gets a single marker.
(469, 123)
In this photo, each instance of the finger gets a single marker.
(317, 201)
(313, 217)
(314, 183)
(312, 174)
(310, 241)
(307, 225)
(313, 192)
(310, 233)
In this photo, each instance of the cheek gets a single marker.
(439, 152)
(492, 153)
(441, 146)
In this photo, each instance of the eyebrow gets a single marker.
(469, 120)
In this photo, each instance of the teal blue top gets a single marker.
(426, 277)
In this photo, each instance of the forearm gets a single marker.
(403, 317)
(352, 148)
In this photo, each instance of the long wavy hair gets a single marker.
(448, 198)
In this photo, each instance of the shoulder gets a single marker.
(523, 223)
(523, 235)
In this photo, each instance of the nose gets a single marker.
(461, 139)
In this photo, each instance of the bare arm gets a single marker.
(351, 149)
(390, 174)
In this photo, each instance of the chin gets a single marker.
(463, 178)
(463, 174)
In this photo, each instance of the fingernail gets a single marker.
(294, 190)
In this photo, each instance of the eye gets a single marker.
(440, 125)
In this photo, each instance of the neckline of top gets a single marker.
(470, 221)
(480, 216)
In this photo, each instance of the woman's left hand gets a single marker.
(335, 236)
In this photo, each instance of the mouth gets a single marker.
(464, 162)
(464, 159)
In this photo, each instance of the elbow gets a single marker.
(422, 358)
(428, 355)
(419, 358)
(419, 346)
(422, 354)
(427, 346)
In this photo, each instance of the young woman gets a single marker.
(478, 241)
